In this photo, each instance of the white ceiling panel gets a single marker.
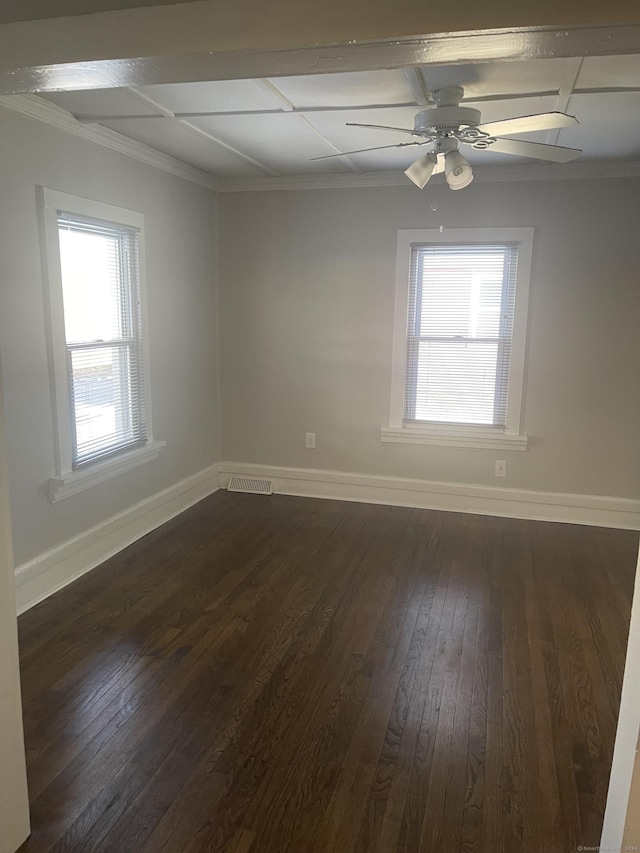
(609, 71)
(609, 126)
(334, 126)
(172, 138)
(101, 102)
(345, 90)
(218, 96)
(518, 77)
(283, 142)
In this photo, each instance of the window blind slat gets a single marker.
(460, 324)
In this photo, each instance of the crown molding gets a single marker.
(312, 182)
(482, 174)
(51, 114)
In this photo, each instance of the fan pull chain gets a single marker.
(435, 206)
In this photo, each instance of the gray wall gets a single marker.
(179, 223)
(307, 288)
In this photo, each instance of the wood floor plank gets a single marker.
(280, 674)
(520, 744)
(390, 789)
(264, 709)
(441, 820)
(411, 641)
(339, 679)
(549, 797)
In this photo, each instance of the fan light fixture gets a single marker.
(420, 171)
(457, 170)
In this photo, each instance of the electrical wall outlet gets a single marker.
(501, 468)
(310, 440)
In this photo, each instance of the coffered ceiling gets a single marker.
(276, 127)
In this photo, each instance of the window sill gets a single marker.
(479, 437)
(66, 485)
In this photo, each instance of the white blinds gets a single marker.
(100, 288)
(460, 323)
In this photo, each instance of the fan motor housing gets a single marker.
(446, 119)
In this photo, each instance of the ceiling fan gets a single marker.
(447, 124)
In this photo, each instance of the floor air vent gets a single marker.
(250, 484)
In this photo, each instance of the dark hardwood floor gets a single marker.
(273, 674)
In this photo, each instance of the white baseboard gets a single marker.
(594, 510)
(54, 569)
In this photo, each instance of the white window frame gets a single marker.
(67, 481)
(509, 437)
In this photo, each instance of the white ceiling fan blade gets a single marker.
(527, 124)
(537, 150)
(398, 129)
(376, 148)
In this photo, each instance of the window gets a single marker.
(100, 296)
(458, 367)
(459, 333)
(97, 347)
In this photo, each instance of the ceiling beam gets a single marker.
(58, 55)
(274, 94)
(300, 111)
(415, 82)
(305, 111)
(215, 27)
